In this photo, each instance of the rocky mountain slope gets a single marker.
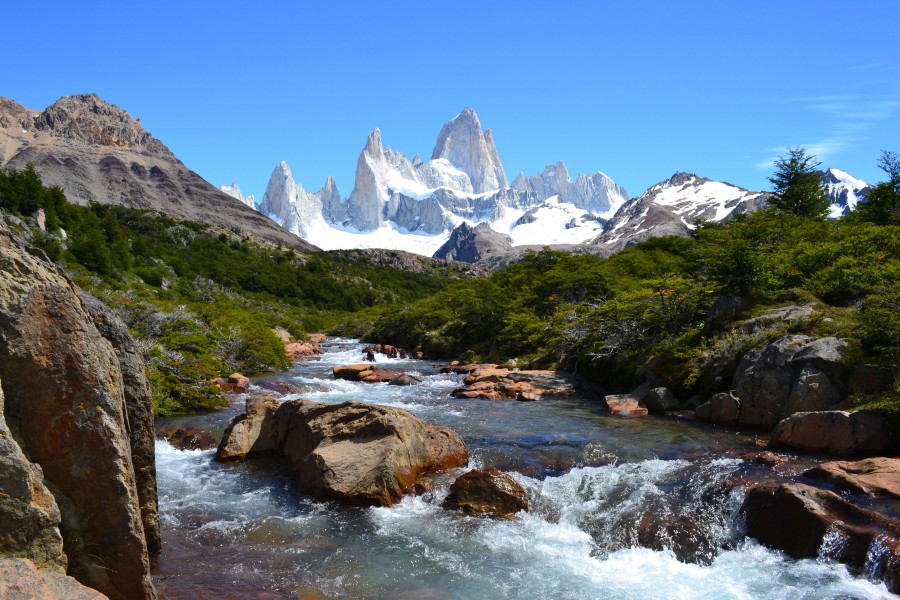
(96, 151)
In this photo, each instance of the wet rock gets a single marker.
(769, 459)
(187, 438)
(681, 534)
(20, 579)
(879, 475)
(369, 354)
(490, 382)
(797, 519)
(405, 379)
(29, 527)
(834, 432)
(253, 432)
(659, 400)
(355, 372)
(63, 381)
(487, 492)
(279, 386)
(355, 453)
(240, 382)
(625, 406)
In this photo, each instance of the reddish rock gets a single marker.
(21, 580)
(487, 492)
(240, 383)
(625, 406)
(354, 372)
(68, 408)
(317, 338)
(682, 534)
(361, 454)
(879, 476)
(187, 438)
(297, 351)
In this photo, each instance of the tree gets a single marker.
(882, 205)
(797, 185)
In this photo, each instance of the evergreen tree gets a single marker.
(882, 205)
(797, 185)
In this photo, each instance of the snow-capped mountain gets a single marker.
(235, 192)
(671, 207)
(415, 205)
(844, 191)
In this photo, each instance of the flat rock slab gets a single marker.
(625, 406)
(879, 476)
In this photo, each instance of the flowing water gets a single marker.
(642, 508)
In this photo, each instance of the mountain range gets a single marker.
(459, 204)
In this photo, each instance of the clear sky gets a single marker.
(636, 89)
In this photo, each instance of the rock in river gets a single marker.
(356, 453)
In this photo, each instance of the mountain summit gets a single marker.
(97, 152)
(465, 146)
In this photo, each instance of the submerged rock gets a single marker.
(487, 492)
(361, 454)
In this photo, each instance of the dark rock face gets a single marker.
(29, 527)
(471, 244)
(487, 492)
(139, 414)
(796, 518)
(360, 454)
(66, 408)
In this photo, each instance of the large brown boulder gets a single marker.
(834, 432)
(138, 414)
(20, 579)
(796, 518)
(356, 453)
(490, 382)
(66, 408)
(29, 517)
(487, 492)
(879, 475)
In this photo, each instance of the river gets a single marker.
(601, 489)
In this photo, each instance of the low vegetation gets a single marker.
(201, 302)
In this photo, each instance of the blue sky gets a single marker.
(640, 91)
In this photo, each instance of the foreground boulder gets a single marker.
(797, 518)
(879, 475)
(834, 432)
(487, 492)
(21, 579)
(355, 453)
(68, 409)
(29, 527)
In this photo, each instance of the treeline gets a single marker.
(201, 303)
(673, 307)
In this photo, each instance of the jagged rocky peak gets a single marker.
(88, 119)
(234, 190)
(596, 193)
(471, 150)
(14, 115)
(844, 191)
(471, 244)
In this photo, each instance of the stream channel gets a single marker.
(601, 489)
